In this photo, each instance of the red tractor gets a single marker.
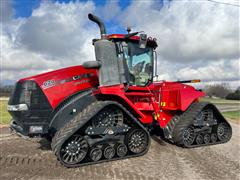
(108, 109)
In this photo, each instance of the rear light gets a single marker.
(17, 107)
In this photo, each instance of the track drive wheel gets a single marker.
(74, 150)
(137, 141)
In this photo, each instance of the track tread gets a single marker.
(79, 120)
(186, 119)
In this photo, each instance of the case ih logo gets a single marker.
(82, 78)
(48, 84)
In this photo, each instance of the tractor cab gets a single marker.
(137, 56)
(123, 58)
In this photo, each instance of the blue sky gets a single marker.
(23, 8)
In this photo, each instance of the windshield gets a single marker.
(139, 62)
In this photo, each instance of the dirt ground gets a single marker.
(32, 159)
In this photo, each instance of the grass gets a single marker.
(220, 101)
(5, 117)
(234, 115)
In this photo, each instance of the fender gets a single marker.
(188, 95)
(69, 108)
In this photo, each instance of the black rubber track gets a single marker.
(80, 120)
(187, 119)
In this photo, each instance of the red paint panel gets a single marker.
(60, 84)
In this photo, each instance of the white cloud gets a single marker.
(188, 30)
(197, 39)
(55, 36)
(6, 10)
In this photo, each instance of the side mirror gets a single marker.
(143, 41)
(91, 64)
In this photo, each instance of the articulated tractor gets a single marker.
(109, 108)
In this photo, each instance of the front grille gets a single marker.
(28, 92)
(39, 109)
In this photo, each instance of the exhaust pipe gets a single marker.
(100, 24)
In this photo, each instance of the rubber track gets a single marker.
(81, 119)
(187, 118)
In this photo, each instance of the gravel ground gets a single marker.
(32, 159)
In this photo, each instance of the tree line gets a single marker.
(222, 91)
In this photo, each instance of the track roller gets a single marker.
(95, 154)
(206, 138)
(214, 138)
(199, 139)
(121, 150)
(108, 152)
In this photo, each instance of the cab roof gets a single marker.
(150, 41)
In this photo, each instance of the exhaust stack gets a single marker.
(100, 24)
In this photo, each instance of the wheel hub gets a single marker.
(137, 141)
(108, 117)
(74, 151)
(96, 154)
(73, 147)
(121, 150)
(188, 136)
(223, 131)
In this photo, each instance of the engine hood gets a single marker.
(59, 84)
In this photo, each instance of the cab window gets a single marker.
(139, 62)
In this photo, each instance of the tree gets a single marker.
(217, 90)
(235, 95)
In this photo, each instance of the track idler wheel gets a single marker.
(223, 131)
(188, 136)
(108, 152)
(137, 141)
(95, 154)
(74, 150)
(121, 150)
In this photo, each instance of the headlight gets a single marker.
(17, 107)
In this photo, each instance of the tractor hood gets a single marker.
(59, 84)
